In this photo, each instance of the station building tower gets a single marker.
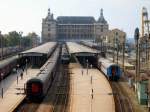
(49, 28)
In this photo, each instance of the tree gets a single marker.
(13, 38)
(26, 41)
(34, 38)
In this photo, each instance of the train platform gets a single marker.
(13, 90)
(90, 91)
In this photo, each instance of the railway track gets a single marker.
(122, 101)
(57, 96)
(61, 100)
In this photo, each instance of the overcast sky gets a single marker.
(26, 15)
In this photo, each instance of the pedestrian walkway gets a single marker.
(90, 91)
(13, 92)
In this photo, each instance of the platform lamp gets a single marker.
(87, 65)
(136, 37)
(2, 90)
(113, 51)
(20, 38)
(123, 52)
(1, 37)
(26, 65)
(117, 45)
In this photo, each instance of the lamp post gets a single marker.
(1, 45)
(113, 50)
(26, 66)
(117, 45)
(123, 52)
(2, 90)
(87, 66)
(136, 37)
(20, 37)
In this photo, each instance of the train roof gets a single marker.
(77, 48)
(40, 50)
(48, 67)
(64, 50)
(34, 80)
(126, 64)
(107, 62)
(119, 53)
(90, 44)
(7, 61)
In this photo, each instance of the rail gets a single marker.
(60, 104)
(122, 102)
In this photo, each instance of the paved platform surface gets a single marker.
(81, 91)
(12, 95)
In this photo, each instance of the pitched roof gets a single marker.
(75, 20)
(101, 18)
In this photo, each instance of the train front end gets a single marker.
(65, 59)
(34, 90)
(114, 72)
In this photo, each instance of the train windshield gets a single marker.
(66, 56)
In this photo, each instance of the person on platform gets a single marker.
(21, 75)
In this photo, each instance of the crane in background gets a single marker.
(145, 22)
(145, 38)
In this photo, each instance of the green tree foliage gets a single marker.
(12, 38)
(26, 41)
(34, 38)
(15, 39)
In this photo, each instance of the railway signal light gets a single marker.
(136, 34)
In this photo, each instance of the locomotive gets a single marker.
(7, 65)
(111, 70)
(65, 56)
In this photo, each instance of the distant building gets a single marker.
(73, 28)
(115, 35)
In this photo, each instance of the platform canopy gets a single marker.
(41, 50)
(80, 50)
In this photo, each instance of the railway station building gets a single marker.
(73, 28)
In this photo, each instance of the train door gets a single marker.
(113, 71)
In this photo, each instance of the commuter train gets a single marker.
(37, 87)
(7, 65)
(111, 70)
(91, 45)
(9, 51)
(65, 56)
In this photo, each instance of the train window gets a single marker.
(35, 88)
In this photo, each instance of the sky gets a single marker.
(26, 15)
